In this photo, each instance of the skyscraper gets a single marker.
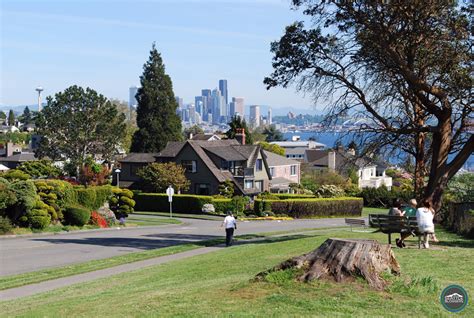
(206, 104)
(269, 117)
(132, 101)
(223, 89)
(179, 101)
(254, 116)
(219, 109)
(237, 106)
(198, 104)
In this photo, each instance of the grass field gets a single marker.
(220, 284)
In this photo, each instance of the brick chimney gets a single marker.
(240, 135)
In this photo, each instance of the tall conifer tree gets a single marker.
(157, 120)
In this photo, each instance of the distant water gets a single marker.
(330, 138)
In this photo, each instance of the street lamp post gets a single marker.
(117, 171)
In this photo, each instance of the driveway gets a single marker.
(26, 254)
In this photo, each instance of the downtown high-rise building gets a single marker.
(219, 108)
(179, 101)
(269, 116)
(237, 107)
(224, 91)
(206, 95)
(254, 116)
(132, 100)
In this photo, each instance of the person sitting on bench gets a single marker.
(424, 217)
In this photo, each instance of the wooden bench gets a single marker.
(355, 222)
(389, 224)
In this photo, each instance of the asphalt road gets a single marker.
(26, 254)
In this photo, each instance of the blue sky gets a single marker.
(103, 45)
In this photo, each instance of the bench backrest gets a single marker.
(393, 223)
(355, 222)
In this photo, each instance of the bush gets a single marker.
(221, 206)
(121, 202)
(238, 205)
(329, 191)
(39, 217)
(5, 225)
(25, 192)
(307, 208)
(15, 174)
(78, 216)
(97, 219)
(182, 203)
(93, 197)
(289, 196)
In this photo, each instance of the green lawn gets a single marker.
(366, 211)
(139, 220)
(220, 284)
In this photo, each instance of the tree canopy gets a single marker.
(272, 134)
(158, 176)
(11, 118)
(78, 123)
(405, 66)
(157, 120)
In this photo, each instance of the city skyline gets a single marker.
(58, 44)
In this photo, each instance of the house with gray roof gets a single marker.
(371, 173)
(284, 172)
(208, 164)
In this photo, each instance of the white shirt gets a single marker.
(424, 217)
(229, 222)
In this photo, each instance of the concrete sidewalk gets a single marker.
(49, 285)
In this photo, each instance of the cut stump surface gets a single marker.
(343, 260)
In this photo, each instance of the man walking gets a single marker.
(230, 224)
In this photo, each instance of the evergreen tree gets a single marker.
(26, 117)
(235, 123)
(11, 118)
(157, 120)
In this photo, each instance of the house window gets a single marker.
(248, 184)
(293, 170)
(272, 171)
(259, 164)
(202, 189)
(189, 165)
(259, 185)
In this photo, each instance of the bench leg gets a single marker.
(390, 238)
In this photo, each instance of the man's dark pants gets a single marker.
(229, 233)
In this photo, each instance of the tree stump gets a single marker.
(343, 260)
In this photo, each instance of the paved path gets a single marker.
(26, 254)
(28, 290)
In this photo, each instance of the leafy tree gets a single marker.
(157, 120)
(158, 176)
(405, 66)
(272, 148)
(11, 118)
(3, 116)
(78, 123)
(238, 123)
(272, 134)
(226, 189)
(15, 137)
(43, 168)
(195, 130)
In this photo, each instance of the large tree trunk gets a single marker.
(343, 260)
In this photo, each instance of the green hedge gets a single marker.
(93, 197)
(315, 207)
(182, 203)
(288, 196)
(222, 205)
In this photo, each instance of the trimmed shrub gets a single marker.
(238, 205)
(121, 202)
(382, 198)
(39, 217)
(221, 206)
(308, 208)
(5, 225)
(75, 215)
(182, 203)
(93, 197)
